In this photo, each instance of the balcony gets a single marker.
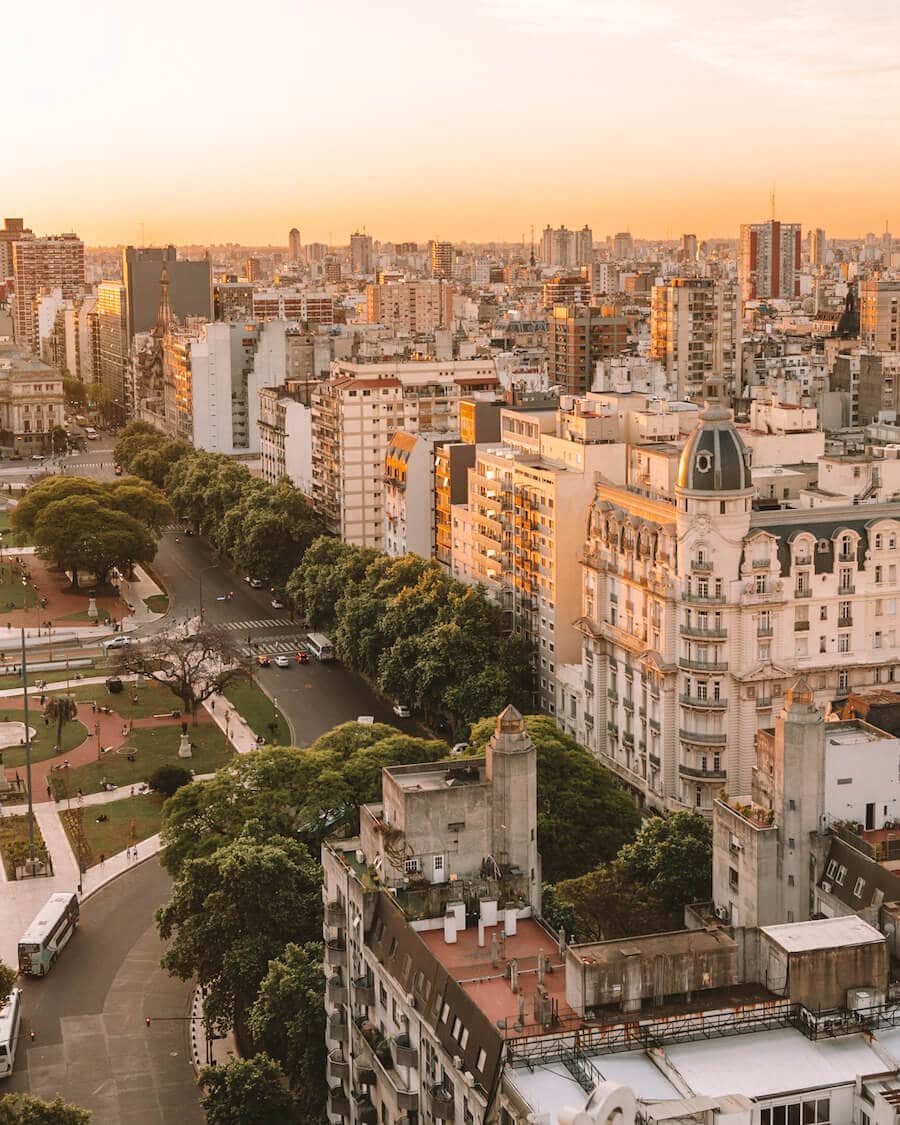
(703, 599)
(701, 566)
(628, 703)
(337, 1026)
(654, 760)
(366, 1113)
(588, 719)
(802, 592)
(383, 1061)
(364, 991)
(612, 694)
(703, 665)
(764, 631)
(336, 953)
(335, 914)
(336, 990)
(701, 775)
(628, 738)
(365, 1074)
(403, 1052)
(704, 738)
(801, 626)
(845, 621)
(588, 687)
(698, 633)
(847, 588)
(338, 1102)
(654, 725)
(764, 703)
(706, 703)
(337, 1067)
(440, 1102)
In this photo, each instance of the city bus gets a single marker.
(10, 1019)
(42, 942)
(320, 646)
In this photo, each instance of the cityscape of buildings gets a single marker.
(674, 466)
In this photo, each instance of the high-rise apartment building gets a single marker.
(584, 246)
(566, 289)
(579, 337)
(362, 256)
(879, 315)
(622, 246)
(356, 412)
(115, 358)
(44, 264)
(295, 247)
(253, 270)
(689, 247)
(441, 256)
(769, 260)
(559, 247)
(410, 306)
(695, 326)
(189, 283)
(11, 231)
(816, 247)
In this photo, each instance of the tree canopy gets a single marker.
(7, 981)
(24, 1109)
(418, 634)
(233, 912)
(80, 533)
(288, 1021)
(672, 857)
(572, 789)
(247, 1092)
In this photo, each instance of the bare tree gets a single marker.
(193, 668)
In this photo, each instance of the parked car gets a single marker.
(402, 711)
(118, 642)
(283, 661)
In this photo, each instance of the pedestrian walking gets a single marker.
(49, 794)
(102, 858)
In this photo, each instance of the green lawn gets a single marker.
(152, 698)
(13, 595)
(257, 709)
(127, 822)
(74, 733)
(56, 677)
(155, 746)
(157, 603)
(10, 539)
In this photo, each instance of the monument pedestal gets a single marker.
(184, 746)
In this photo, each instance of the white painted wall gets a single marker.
(857, 772)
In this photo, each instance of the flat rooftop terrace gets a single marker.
(489, 985)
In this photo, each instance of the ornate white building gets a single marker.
(699, 612)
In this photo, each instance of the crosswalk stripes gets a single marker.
(275, 646)
(261, 623)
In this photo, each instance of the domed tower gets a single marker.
(714, 494)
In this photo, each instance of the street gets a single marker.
(91, 1042)
(313, 697)
(96, 461)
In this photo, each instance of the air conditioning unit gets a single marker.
(826, 887)
(722, 913)
(410, 1000)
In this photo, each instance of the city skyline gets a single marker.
(459, 129)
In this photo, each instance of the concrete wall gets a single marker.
(820, 978)
(859, 773)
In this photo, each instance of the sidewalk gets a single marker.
(134, 593)
(234, 727)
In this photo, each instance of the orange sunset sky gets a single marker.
(230, 121)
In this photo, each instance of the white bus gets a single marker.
(320, 646)
(47, 935)
(10, 1020)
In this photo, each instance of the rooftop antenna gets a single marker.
(532, 246)
(772, 201)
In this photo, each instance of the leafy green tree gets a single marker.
(205, 486)
(557, 913)
(572, 788)
(142, 501)
(61, 709)
(80, 533)
(329, 568)
(287, 791)
(24, 1109)
(169, 778)
(671, 858)
(154, 462)
(59, 440)
(269, 531)
(7, 981)
(232, 913)
(288, 1021)
(46, 492)
(247, 1092)
(606, 903)
(74, 390)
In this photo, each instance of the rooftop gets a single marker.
(488, 984)
(823, 933)
(437, 775)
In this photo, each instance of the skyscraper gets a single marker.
(441, 259)
(689, 247)
(584, 246)
(190, 285)
(362, 259)
(11, 231)
(44, 264)
(560, 246)
(769, 260)
(816, 240)
(622, 246)
(112, 314)
(295, 247)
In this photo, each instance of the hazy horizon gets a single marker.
(466, 123)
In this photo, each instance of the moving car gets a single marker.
(263, 661)
(118, 642)
(303, 656)
(402, 711)
(255, 583)
(90, 433)
(282, 661)
(276, 604)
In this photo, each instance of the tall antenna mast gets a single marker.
(772, 201)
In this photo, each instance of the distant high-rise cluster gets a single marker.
(769, 262)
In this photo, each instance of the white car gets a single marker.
(282, 662)
(459, 748)
(276, 604)
(118, 642)
(255, 583)
(402, 711)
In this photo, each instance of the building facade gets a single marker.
(879, 315)
(42, 265)
(695, 332)
(581, 336)
(189, 286)
(410, 307)
(769, 260)
(31, 401)
(115, 348)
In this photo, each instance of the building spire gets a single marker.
(164, 316)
